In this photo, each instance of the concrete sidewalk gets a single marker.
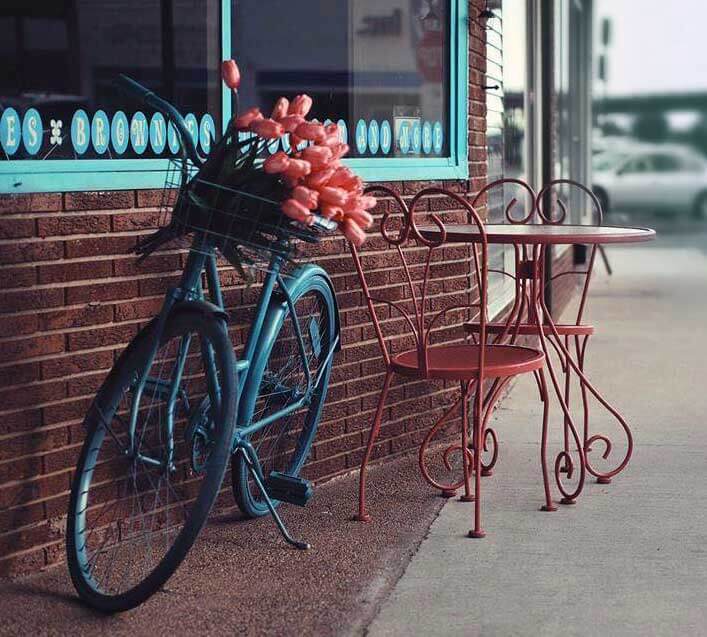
(631, 557)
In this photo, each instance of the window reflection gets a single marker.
(378, 67)
(60, 59)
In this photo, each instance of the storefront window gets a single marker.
(380, 68)
(391, 73)
(60, 102)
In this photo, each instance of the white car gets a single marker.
(652, 178)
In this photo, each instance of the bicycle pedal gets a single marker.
(294, 490)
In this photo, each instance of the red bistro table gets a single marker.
(531, 242)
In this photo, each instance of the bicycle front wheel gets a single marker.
(135, 510)
(282, 379)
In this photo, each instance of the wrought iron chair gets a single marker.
(576, 331)
(468, 364)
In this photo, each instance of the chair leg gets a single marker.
(468, 496)
(477, 531)
(540, 377)
(567, 371)
(363, 516)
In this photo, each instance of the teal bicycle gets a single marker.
(178, 404)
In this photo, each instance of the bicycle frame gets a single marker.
(202, 258)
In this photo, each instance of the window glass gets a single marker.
(638, 165)
(379, 68)
(59, 61)
(666, 163)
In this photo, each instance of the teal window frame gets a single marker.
(24, 176)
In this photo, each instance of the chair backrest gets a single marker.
(396, 272)
(548, 206)
(545, 199)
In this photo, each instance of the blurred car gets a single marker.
(652, 178)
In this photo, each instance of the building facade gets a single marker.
(425, 91)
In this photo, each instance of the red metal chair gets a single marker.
(469, 364)
(576, 331)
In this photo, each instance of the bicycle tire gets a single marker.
(182, 321)
(245, 493)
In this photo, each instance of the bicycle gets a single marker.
(178, 403)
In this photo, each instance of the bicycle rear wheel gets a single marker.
(133, 517)
(281, 380)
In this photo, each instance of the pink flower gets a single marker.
(311, 131)
(353, 232)
(334, 196)
(277, 163)
(298, 168)
(332, 212)
(300, 105)
(266, 128)
(306, 196)
(245, 120)
(339, 150)
(295, 210)
(332, 135)
(318, 156)
(367, 202)
(280, 109)
(320, 178)
(231, 74)
(341, 177)
(361, 217)
(290, 122)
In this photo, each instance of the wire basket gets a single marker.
(245, 217)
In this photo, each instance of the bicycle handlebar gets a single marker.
(138, 91)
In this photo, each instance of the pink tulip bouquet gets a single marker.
(307, 179)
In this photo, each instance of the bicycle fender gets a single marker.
(205, 308)
(299, 280)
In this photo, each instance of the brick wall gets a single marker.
(72, 296)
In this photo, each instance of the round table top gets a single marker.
(540, 233)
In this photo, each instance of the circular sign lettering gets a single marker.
(416, 137)
(386, 137)
(437, 137)
(343, 131)
(361, 137)
(100, 132)
(10, 132)
(207, 132)
(373, 136)
(80, 131)
(158, 133)
(139, 132)
(427, 138)
(32, 131)
(119, 133)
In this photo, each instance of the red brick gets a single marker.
(16, 228)
(91, 314)
(30, 202)
(24, 348)
(65, 224)
(27, 252)
(100, 337)
(108, 291)
(100, 246)
(76, 363)
(102, 200)
(34, 394)
(17, 277)
(65, 272)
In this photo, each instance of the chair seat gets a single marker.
(530, 329)
(461, 362)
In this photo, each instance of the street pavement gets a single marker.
(630, 558)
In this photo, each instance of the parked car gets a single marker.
(652, 178)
